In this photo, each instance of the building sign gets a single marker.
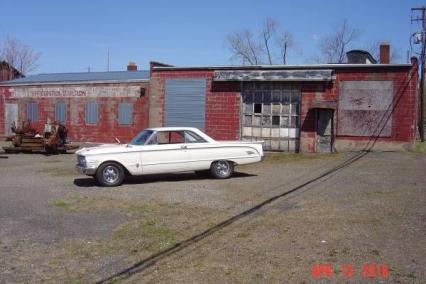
(74, 92)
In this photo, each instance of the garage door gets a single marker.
(185, 101)
(271, 114)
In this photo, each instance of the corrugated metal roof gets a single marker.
(284, 67)
(273, 75)
(119, 76)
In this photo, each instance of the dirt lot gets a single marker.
(57, 226)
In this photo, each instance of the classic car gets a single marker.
(166, 150)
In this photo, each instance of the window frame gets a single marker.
(32, 108)
(121, 115)
(64, 104)
(86, 114)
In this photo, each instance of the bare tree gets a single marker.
(269, 29)
(334, 46)
(285, 42)
(243, 46)
(268, 45)
(19, 55)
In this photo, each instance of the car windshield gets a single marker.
(141, 138)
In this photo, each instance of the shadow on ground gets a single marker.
(91, 182)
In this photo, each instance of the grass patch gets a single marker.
(81, 203)
(419, 147)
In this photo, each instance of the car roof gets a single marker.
(173, 128)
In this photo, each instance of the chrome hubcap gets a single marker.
(222, 168)
(110, 174)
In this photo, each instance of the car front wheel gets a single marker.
(110, 174)
(222, 169)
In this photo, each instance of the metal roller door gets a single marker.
(185, 101)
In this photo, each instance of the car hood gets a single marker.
(104, 149)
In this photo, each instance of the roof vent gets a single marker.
(358, 56)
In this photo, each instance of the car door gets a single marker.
(165, 153)
(199, 152)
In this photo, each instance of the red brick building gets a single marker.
(307, 108)
(94, 106)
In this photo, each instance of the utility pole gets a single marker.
(422, 75)
(108, 60)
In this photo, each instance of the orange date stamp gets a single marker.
(348, 271)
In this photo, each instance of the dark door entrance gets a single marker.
(324, 130)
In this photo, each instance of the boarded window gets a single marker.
(125, 113)
(32, 111)
(365, 108)
(61, 112)
(91, 112)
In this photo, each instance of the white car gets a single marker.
(166, 150)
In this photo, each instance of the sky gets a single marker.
(73, 35)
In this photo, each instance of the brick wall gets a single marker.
(107, 126)
(403, 114)
(223, 105)
(222, 115)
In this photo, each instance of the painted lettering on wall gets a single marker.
(72, 92)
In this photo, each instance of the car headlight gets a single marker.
(81, 161)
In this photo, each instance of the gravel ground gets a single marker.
(59, 226)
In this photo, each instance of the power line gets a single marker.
(421, 18)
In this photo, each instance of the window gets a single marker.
(191, 137)
(61, 112)
(257, 108)
(125, 113)
(32, 111)
(91, 112)
(170, 137)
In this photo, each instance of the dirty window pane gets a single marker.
(293, 122)
(267, 97)
(284, 121)
(286, 109)
(256, 120)
(248, 97)
(257, 108)
(266, 121)
(32, 111)
(276, 109)
(266, 109)
(61, 112)
(295, 96)
(91, 112)
(286, 97)
(275, 120)
(258, 98)
(294, 109)
(276, 96)
(248, 108)
(247, 120)
(125, 113)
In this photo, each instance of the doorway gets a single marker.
(324, 137)
(10, 116)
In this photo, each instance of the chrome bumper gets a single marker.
(85, 171)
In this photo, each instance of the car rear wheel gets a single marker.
(110, 174)
(222, 169)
